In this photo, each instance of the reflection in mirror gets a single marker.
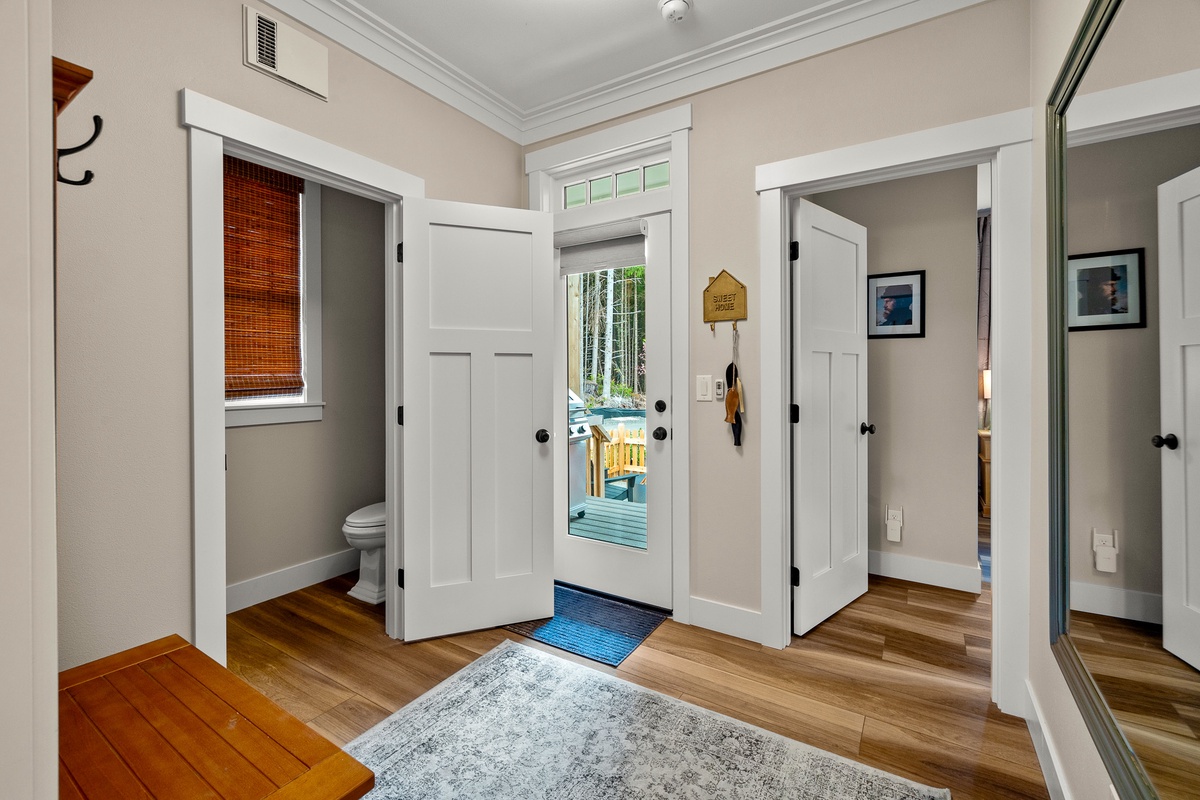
(1127, 503)
(1116, 497)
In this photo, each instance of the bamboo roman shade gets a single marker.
(262, 282)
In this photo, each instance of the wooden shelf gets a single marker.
(69, 80)
(985, 465)
(163, 720)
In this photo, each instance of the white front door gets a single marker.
(617, 535)
(829, 385)
(476, 520)
(1179, 356)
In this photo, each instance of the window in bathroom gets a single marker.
(272, 296)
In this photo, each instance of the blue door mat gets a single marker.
(599, 628)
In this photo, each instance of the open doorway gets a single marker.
(1004, 142)
(290, 487)
(921, 428)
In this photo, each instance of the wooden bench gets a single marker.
(163, 720)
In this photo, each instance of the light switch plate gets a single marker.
(704, 388)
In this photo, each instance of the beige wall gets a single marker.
(290, 487)
(1114, 375)
(125, 541)
(973, 63)
(1148, 39)
(922, 396)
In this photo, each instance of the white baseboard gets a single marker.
(290, 579)
(730, 620)
(1112, 601)
(1047, 753)
(923, 570)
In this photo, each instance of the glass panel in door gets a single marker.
(606, 375)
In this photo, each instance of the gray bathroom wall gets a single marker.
(289, 487)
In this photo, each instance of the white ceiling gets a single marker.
(532, 69)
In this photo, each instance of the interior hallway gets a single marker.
(898, 679)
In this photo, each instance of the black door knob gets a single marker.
(1170, 440)
(864, 429)
(660, 433)
(660, 406)
(542, 435)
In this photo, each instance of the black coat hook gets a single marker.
(66, 151)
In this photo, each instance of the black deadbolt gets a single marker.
(660, 406)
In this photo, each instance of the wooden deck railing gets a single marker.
(610, 455)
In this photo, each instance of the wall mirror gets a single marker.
(1125, 623)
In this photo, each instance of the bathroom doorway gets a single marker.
(290, 486)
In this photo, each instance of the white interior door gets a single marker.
(621, 545)
(1179, 354)
(829, 384)
(477, 464)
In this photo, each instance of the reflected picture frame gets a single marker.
(1106, 291)
(896, 305)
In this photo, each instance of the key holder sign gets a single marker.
(724, 300)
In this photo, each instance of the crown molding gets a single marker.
(830, 26)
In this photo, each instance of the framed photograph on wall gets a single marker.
(1106, 290)
(896, 305)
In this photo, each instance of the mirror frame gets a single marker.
(1124, 768)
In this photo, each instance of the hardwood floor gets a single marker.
(897, 680)
(1154, 695)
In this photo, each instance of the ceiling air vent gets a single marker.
(286, 53)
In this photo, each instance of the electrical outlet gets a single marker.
(719, 386)
(895, 514)
(1101, 539)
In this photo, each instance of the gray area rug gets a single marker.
(519, 723)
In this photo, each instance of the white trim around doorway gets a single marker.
(1004, 141)
(215, 128)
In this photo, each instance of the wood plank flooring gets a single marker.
(897, 680)
(1154, 695)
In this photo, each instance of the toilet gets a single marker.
(366, 530)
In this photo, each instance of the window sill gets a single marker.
(272, 414)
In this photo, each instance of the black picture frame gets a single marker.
(904, 316)
(1106, 291)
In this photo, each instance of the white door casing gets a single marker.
(641, 575)
(477, 522)
(1179, 356)
(829, 384)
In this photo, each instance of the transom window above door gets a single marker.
(616, 184)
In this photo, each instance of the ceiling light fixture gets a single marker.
(674, 10)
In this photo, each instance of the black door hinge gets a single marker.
(399, 415)
(400, 578)
(795, 576)
(794, 251)
(795, 413)
(400, 252)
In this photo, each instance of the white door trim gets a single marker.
(28, 546)
(1004, 140)
(216, 128)
(666, 131)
